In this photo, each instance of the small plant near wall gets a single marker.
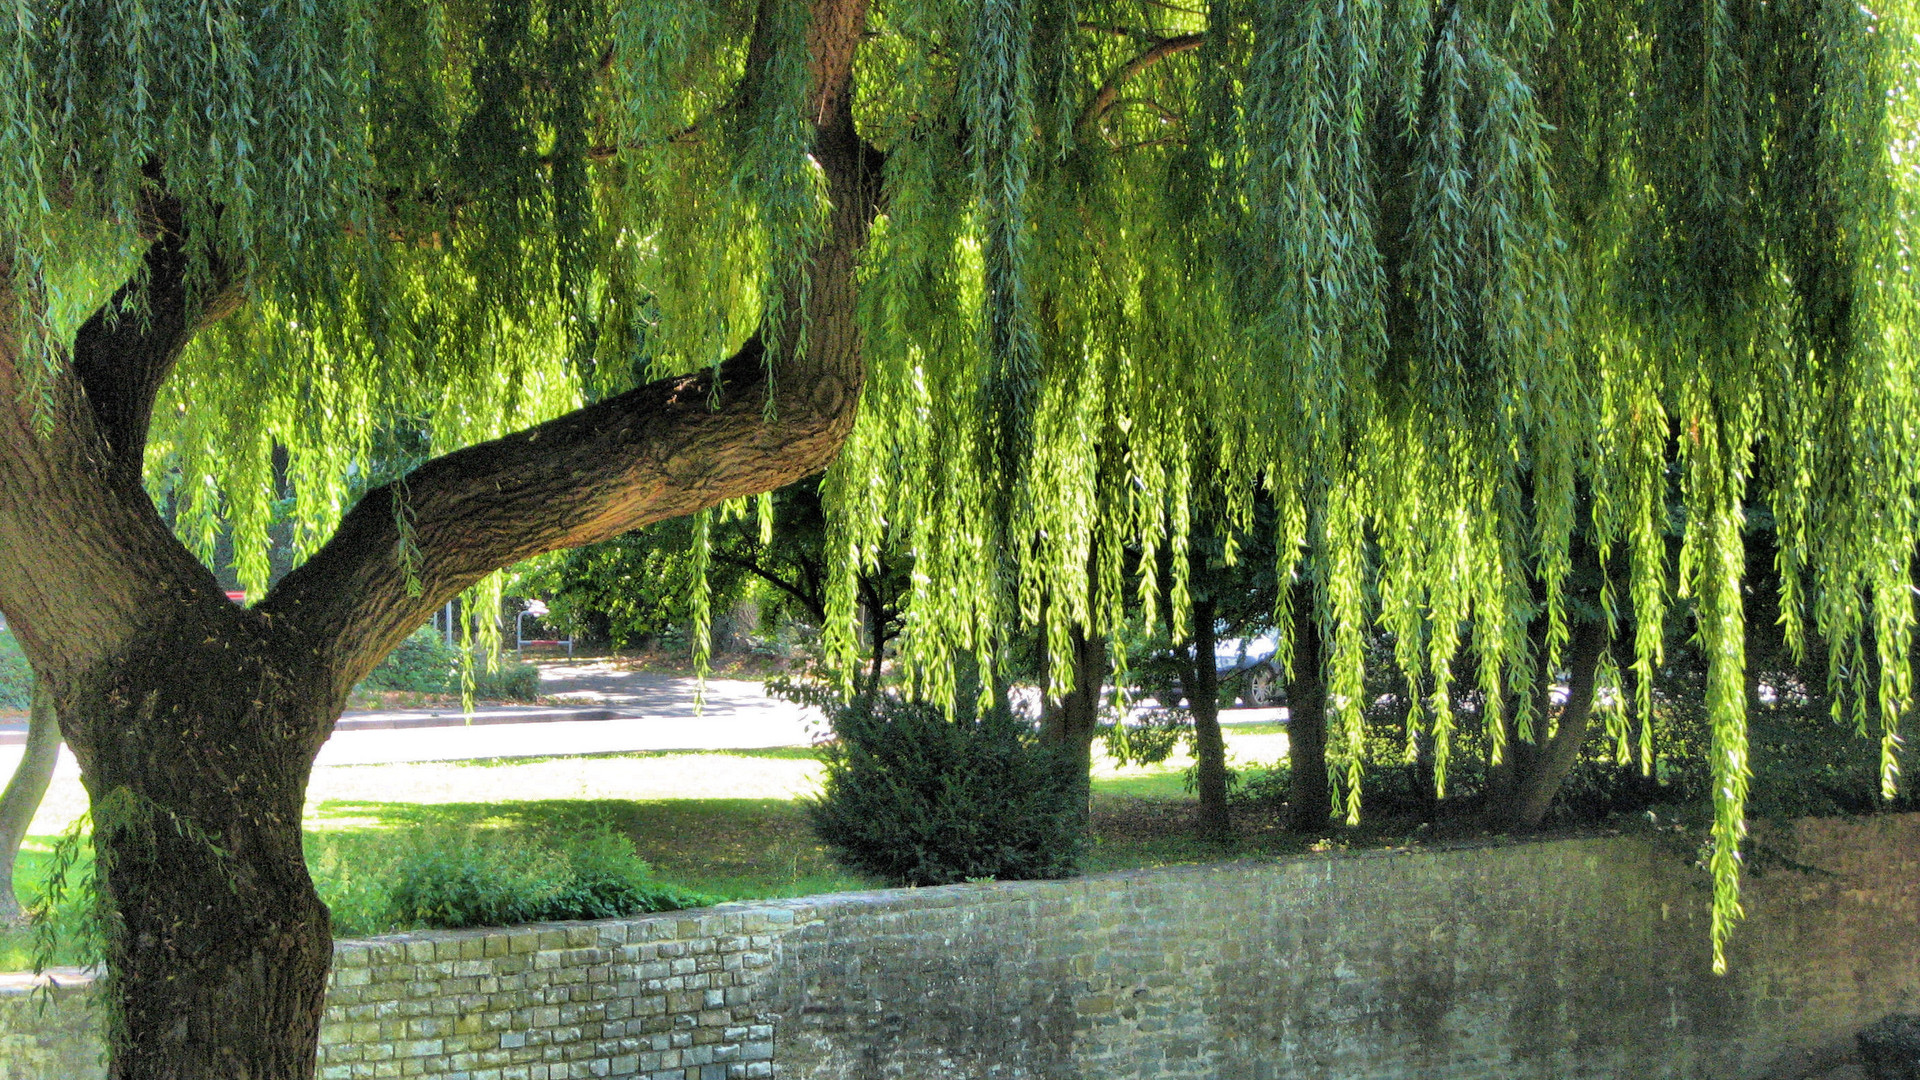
(16, 676)
(455, 877)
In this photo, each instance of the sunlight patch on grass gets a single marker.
(705, 775)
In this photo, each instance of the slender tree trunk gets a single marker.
(1069, 723)
(1309, 807)
(876, 639)
(1425, 763)
(1209, 749)
(24, 792)
(1547, 764)
(1517, 757)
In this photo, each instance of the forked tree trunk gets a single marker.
(196, 722)
(1209, 748)
(24, 793)
(1310, 803)
(1541, 767)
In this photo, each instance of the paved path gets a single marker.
(600, 709)
(605, 710)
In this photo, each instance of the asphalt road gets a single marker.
(600, 709)
(607, 711)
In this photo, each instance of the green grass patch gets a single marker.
(728, 849)
(1166, 784)
(1265, 727)
(728, 824)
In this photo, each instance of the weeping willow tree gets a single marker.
(1423, 271)
(1436, 276)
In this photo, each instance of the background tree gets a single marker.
(642, 584)
(23, 793)
(1424, 271)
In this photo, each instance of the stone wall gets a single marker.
(1580, 958)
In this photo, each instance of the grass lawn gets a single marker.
(729, 824)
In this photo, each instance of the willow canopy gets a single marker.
(1438, 276)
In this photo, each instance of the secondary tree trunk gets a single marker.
(1540, 768)
(1209, 749)
(1310, 805)
(1069, 724)
(1517, 754)
(24, 793)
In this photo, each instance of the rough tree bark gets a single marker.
(1310, 803)
(23, 794)
(1516, 753)
(196, 722)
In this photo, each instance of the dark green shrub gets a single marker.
(484, 877)
(424, 664)
(920, 799)
(16, 677)
(510, 681)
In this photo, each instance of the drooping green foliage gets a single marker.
(1432, 274)
(1439, 277)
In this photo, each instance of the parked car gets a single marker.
(1255, 662)
(1247, 666)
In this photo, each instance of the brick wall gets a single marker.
(1567, 959)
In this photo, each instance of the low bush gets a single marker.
(461, 877)
(423, 664)
(16, 677)
(920, 799)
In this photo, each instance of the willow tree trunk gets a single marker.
(24, 793)
(1215, 821)
(1539, 768)
(196, 742)
(196, 722)
(1310, 802)
(1068, 724)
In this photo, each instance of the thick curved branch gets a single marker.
(1109, 94)
(661, 451)
(768, 417)
(125, 351)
